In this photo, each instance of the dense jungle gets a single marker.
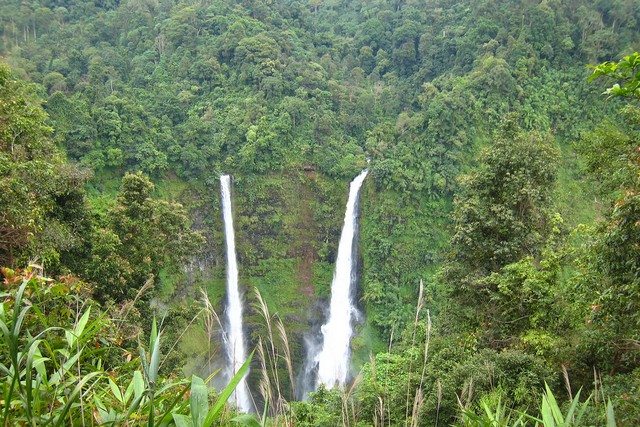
(495, 267)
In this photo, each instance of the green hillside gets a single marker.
(501, 177)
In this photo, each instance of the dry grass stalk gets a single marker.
(265, 381)
(466, 395)
(287, 353)
(598, 390)
(439, 399)
(272, 354)
(379, 411)
(567, 383)
(418, 401)
(427, 339)
(353, 410)
(347, 401)
(211, 319)
(419, 306)
(419, 397)
(122, 317)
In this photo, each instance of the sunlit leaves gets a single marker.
(625, 72)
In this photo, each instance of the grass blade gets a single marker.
(227, 391)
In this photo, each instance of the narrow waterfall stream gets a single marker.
(333, 359)
(235, 341)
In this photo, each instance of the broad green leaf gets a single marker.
(128, 392)
(182, 420)
(154, 334)
(28, 377)
(155, 360)
(611, 418)
(246, 420)
(574, 404)
(134, 406)
(79, 329)
(68, 335)
(547, 413)
(116, 390)
(582, 411)
(199, 400)
(227, 391)
(553, 405)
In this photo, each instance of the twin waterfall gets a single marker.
(332, 360)
(235, 341)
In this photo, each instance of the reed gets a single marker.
(264, 384)
(419, 306)
(347, 408)
(271, 353)
(287, 354)
(212, 323)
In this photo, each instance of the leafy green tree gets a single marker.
(140, 236)
(626, 72)
(613, 159)
(501, 215)
(502, 212)
(41, 197)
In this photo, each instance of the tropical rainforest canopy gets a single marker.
(499, 231)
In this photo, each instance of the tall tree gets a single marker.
(141, 236)
(502, 214)
(613, 156)
(37, 186)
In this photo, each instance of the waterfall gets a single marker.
(234, 342)
(333, 359)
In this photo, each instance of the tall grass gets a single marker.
(52, 376)
(551, 414)
(31, 377)
(272, 354)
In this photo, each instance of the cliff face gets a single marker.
(287, 231)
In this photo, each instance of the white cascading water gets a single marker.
(333, 359)
(234, 342)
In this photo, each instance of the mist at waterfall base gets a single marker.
(329, 353)
(234, 340)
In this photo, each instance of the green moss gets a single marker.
(574, 193)
(216, 288)
(102, 190)
(278, 283)
(322, 278)
(170, 187)
(169, 278)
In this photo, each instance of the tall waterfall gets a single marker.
(234, 342)
(333, 359)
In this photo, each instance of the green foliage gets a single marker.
(626, 72)
(291, 97)
(496, 415)
(502, 210)
(41, 201)
(322, 409)
(201, 415)
(502, 216)
(551, 414)
(59, 375)
(611, 153)
(141, 235)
